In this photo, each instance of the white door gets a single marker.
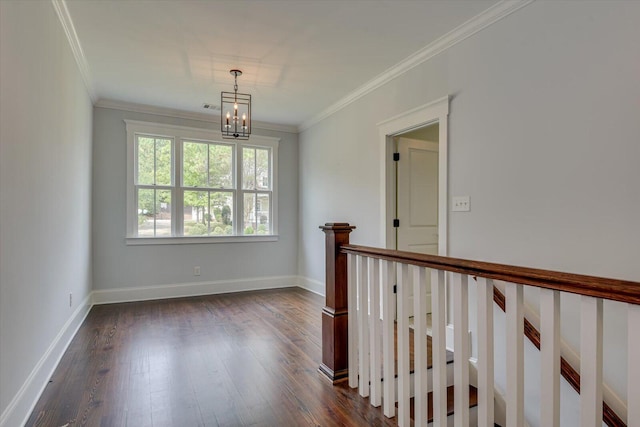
(417, 200)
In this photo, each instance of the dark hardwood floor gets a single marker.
(230, 360)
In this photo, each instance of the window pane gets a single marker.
(208, 213)
(154, 158)
(221, 203)
(220, 166)
(163, 212)
(262, 169)
(163, 162)
(249, 226)
(145, 152)
(264, 217)
(195, 165)
(154, 212)
(249, 168)
(196, 213)
(145, 208)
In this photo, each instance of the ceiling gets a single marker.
(298, 57)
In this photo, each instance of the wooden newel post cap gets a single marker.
(337, 226)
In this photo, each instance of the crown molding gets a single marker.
(74, 42)
(189, 115)
(477, 23)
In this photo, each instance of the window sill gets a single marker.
(184, 240)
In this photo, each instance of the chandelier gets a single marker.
(235, 113)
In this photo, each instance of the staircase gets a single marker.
(421, 363)
(473, 391)
(429, 358)
(360, 335)
(473, 403)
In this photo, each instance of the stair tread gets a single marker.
(473, 391)
(449, 354)
(473, 401)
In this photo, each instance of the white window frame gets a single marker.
(180, 134)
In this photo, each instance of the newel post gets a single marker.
(335, 314)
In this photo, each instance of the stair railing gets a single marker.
(358, 333)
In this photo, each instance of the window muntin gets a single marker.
(186, 183)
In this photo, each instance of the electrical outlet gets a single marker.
(461, 204)
(196, 270)
(70, 299)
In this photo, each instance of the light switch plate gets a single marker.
(461, 204)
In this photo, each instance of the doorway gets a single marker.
(416, 219)
(415, 196)
(417, 190)
(424, 121)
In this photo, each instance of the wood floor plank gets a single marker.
(221, 360)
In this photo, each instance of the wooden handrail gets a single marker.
(611, 289)
(599, 287)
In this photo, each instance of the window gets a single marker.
(207, 179)
(256, 190)
(153, 182)
(185, 185)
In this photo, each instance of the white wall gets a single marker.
(340, 163)
(118, 268)
(543, 136)
(45, 201)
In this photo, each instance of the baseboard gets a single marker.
(179, 290)
(312, 285)
(19, 409)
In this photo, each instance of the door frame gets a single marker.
(431, 113)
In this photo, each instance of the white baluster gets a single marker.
(485, 353)
(363, 327)
(461, 350)
(404, 284)
(439, 347)
(590, 362)
(352, 302)
(550, 357)
(374, 331)
(388, 342)
(633, 362)
(420, 345)
(515, 355)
